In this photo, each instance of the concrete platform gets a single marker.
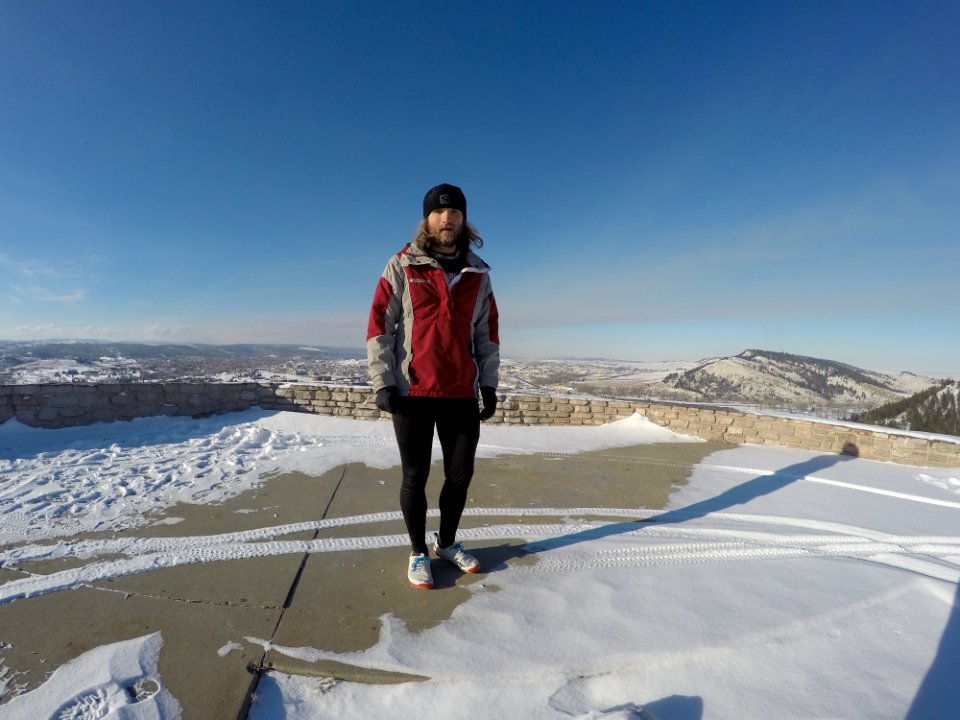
(327, 600)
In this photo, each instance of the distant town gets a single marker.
(92, 362)
(30, 364)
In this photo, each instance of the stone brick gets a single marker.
(803, 431)
(734, 435)
(46, 414)
(26, 415)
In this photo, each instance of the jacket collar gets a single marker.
(412, 255)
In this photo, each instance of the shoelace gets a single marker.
(418, 561)
(459, 555)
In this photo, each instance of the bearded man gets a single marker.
(433, 346)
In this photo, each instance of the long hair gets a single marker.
(468, 236)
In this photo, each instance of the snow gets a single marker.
(777, 583)
(120, 681)
(104, 369)
(229, 648)
(114, 475)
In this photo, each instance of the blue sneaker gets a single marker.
(418, 571)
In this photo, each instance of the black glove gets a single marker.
(489, 396)
(387, 399)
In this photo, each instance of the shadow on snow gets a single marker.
(686, 707)
(739, 495)
(939, 693)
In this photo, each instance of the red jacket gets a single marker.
(429, 339)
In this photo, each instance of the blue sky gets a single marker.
(653, 180)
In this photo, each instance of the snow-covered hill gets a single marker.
(770, 378)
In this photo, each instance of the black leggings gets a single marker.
(458, 426)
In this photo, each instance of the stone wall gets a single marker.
(55, 406)
(872, 443)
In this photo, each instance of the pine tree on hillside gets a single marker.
(934, 410)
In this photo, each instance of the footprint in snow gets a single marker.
(624, 712)
(97, 703)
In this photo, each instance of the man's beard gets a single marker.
(446, 239)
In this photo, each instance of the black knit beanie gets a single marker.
(444, 196)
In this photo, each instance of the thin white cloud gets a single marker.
(340, 330)
(38, 294)
(343, 330)
(30, 332)
(31, 268)
(815, 262)
(41, 282)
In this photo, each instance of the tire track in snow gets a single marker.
(704, 553)
(86, 549)
(688, 545)
(699, 544)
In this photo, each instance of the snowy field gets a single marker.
(777, 584)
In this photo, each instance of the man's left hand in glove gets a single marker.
(489, 397)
